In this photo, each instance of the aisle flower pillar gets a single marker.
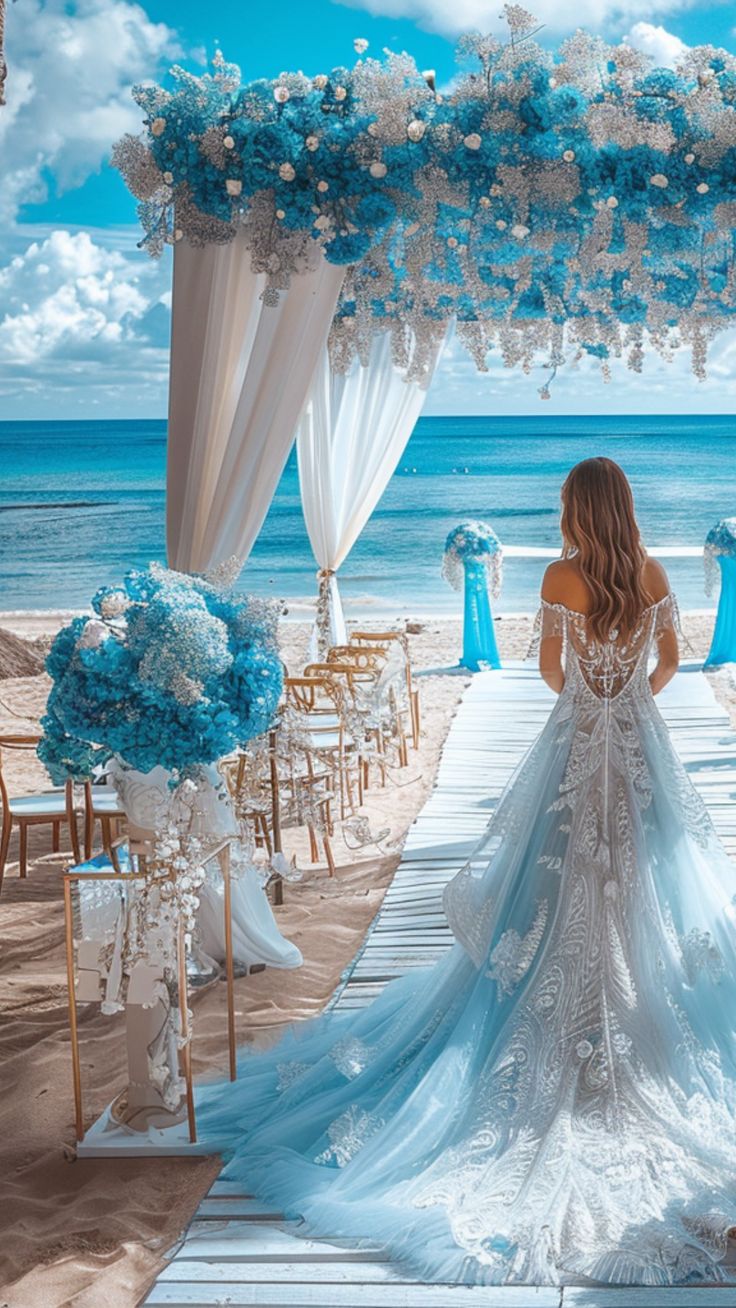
(720, 552)
(473, 559)
(170, 674)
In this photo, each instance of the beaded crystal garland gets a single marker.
(473, 542)
(720, 542)
(577, 202)
(173, 670)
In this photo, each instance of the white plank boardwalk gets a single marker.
(236, 1250)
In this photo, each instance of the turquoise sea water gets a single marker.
(80, 502)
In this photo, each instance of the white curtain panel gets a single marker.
(352, 434)
(240, 375)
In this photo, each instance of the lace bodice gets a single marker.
(606, 667)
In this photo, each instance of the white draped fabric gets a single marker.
(240, 374)
(352, 434)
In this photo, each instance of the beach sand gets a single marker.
(89, 1233)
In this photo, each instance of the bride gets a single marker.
(556, 1098)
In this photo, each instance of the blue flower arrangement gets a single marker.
(473, 543)
(172, 670)
(576, 200)
(719, 543)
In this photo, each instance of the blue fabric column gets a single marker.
(723, 645)
(479, 637)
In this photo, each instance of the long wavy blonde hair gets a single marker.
(599, 530)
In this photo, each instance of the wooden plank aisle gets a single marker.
(236, 1250)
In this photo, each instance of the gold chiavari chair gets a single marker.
(383, 697)
(380, 639)
(49, 808)
(320, 717)
(349, 680)
(250, 783)
(304, 786)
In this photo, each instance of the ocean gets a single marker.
(81, 502)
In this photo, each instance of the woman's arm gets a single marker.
(550, 645)
(668, 660)
(668, 654)
(550, 662)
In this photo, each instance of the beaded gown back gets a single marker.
(557, 1097)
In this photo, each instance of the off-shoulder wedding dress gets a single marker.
(557, 1097)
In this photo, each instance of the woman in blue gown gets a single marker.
(557, 1097)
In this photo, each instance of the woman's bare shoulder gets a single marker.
(656, 581)
(563, 584)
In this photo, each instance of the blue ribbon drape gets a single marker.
(723, 645)
(479, 637)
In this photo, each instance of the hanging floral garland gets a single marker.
(473, 542)
(578, 202)
(719, 543)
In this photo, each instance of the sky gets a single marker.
(85, 314)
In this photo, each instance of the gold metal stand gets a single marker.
(186, 1050)
(221, 851)
(224, 857)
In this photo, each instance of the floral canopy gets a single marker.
(573, 202)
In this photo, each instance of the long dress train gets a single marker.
(557, 1097)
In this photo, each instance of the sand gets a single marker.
(91, 1233)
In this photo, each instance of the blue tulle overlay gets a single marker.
(479, 636)
(723, 644)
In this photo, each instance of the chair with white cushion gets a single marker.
(51, 808)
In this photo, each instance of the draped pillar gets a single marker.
(240, 374)
(352, 434)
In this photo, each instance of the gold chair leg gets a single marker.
(71, 819)
(55, 837)
(266, 834)
(328, 854)
(4, 844)
(89, 820)
(23, 851)
(416, 725)
(313, 846)
(72, 1001)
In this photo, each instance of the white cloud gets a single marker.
(453, 16)
(81, 321)
(665, 48)
(71, 67)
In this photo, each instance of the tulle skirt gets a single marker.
(556, 1098)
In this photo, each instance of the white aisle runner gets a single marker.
(235, 1251)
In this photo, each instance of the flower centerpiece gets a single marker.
(473, 542)
(172, 671)
(719, 543)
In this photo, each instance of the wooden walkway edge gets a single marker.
(236, 1251)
